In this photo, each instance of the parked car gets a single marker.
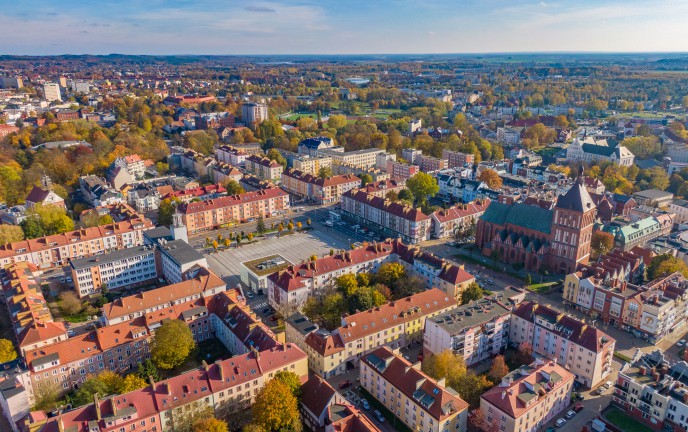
(550, 429)
(365, 404)
(578, 407)
(379, 416)
(71, 333)
(344, 384)
(561, 422)
(249, 294)
(681, 343)
(570, 414)
(608, 384)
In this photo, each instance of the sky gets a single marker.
(46, 27)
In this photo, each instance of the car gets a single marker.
(600, 390)
(570, 414)
(344, 384)
(550, 429)
(365, 404)
(561, 422)
(407, 357)
(379, 416)
(578, 407)
(608, 384)
(681, 343)
(267, 310)
(250, 294)
(71, 333)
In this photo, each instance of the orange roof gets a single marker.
(230, 201)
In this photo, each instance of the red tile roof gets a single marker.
(461, 210)
(395, 208)
(351, 420)
(317, 395)
(322, 182)
(264, 161)
(198, 192)
(229, 201)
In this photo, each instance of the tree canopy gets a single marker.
(172, 344)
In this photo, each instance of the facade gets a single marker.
(391, 218)
(383, 187)
(557, 239)
(399, 170)
(56, 250)
(653, 198)
(417, 400)
(215, 213)
(589, 150)
(133, 164)
(207, 192)
(365, 158)
(528, 397)
(411, 155)
(254, 113)
(311, 146)
(640, 232)
(144, 199)
(264, 168)
(508, 135)
(96, 192)
(317, 397)
(321, 190)
(45, 197)
(445, 223)
(310, 165)
(177, 259)
(51, 92)
(231, 156)
(457, 159)
(584, 350)
(678, 207)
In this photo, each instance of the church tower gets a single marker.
(574, 216)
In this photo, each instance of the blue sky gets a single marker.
(339, 27)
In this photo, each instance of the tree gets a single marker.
(280, 228)
(643, 147)
(10, 234)
(392, 195)
(347, 284)
(276, 408)
(130, 383)
(162, 168)
(309, 222)
(325, 172)
(7, 351)
(299, 225)
(365, 179)
(291, 380)
(32, 228)
(601, 242)
(498, 370)
(260, 225)
(336, 121)
(210, 425)
(664, 265)
(524, 355)
(52, 219)
(538, 135)
(471, 293)
(490, 178)
(70, 303)
(215, 244)
(93, 385)
(529, 279)
(290, 226)
(172, 344)
(422, 186)
(390, 273)
(166, 209)
(148, 370)
(46, 394)
(405, 194)
(275, 155)
(233, 188)
(249, 236)
(252, 427)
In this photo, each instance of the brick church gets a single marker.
(555, 239)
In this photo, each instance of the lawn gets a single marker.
(624, 422)
(541, 287)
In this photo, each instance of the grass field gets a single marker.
(624, 422)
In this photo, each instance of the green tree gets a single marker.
(529, 279)
(325, 172)
(234, 188)
(46, 395)
(7, 351)
(291, 380)
(405, 195)
(172, 344)
(275, 155)
(260, 226)
(32, 228)
(93, 385)
(423, 186)
(166, 210)
(664, 265)
(471, 293)
(336, 121)
(10, 234)
(276, 408)
(365, 179)
(148, 370)
(601, 242)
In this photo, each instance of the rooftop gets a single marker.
(110, 257)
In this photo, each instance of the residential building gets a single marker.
(6, 129)
(223, 173)
(457, 159)
(382, 158)
(476, 331)
(365, 158)
(320, 190)
(653, 197)
(144, 198)
(678, 207)
(218, 212)
(347, 418)
(231, 156)
(14, 215)
(383, 187)
(317, 397)
(590, 150)
(51, 92)
(117, 269)
(45, 197)
(309, 165)
(79, 86)
(432, 164)
(414, 126)
(640, 232)
(528, 397)
(417, 400)
(584, 350)
(254, 274)
(118, 177)
(399, 170)
(374, 173)
(311, 146)
(508, 135)
(446, 223)
(97, 193)
(411, 155)
(133, 164)
(254, 113)
(215, 120)
(390, 218)
(56, 250)
(556, 239)
(207, 192)
(264, 168)
(11, 82)
(179, 260)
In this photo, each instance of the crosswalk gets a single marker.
(260, 306)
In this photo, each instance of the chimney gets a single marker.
(655, 376)
(220, 371)
(60, 425)
(168, 390)
(152, 382)
(114, 406)
(96, 403)
(503, 395)
(205, 365)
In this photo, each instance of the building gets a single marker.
(400, 170)
(452, 221)
(215, 120)
(317, 398)
(457, 159)
(375, 174)
(388, 217)
(411, 155)
(528, 397)
(254, 113)
(207, 192)
(264, 168)
(320, 190)
(347, 418)
(179, 261)
(66, 115)
(56, 250)
(215, 213)
(640, 232)
(309, 165)
(79, 86)
(432, 164)
(117, 269)
(556, 239)
(51, 92)
(414, 126)
(6, 129)
(144, 198)
(231, 156)
(476, 331)
(97, 193)
(653, 198)
(45, 197)
(365, 158)
(311, 146)
(383, 187)
(254, 274)
(653, 391)
(590, 150)
(133, 164)
(393, 325)
(11, 82)
(508, 135)
(420, 402)
(584, 350)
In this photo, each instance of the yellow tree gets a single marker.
(210, 425)
(276, 408)
(7, 351)
(171, 344)
(130, 383)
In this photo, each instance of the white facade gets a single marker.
(125, 269)
(254, 113)
(51, 92)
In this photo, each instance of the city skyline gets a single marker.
(356, 27)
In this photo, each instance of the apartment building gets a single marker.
(476, 331)
(231, 155)
(309, 165)
(226, 386)
(178, 259)
(400, 170)
(653, 391)
(126, 267)
(591, 150)
(528, 397)
(391, 218)
(215, 213)
(640, 232)
(207, 192)
(430, 164)
(447, 222)
(223, 172)
(96, 192)
(51, 92)
(264, 168)
(383, 187)
(321, 190)
(418, 401)
(133, 164)
(254, 113)
(317, 397)
(411, 155)
(364, 158)
(311, 146)
(584, 350)
(457, 159)
(56, 250)
(394, 325)
(374, 173)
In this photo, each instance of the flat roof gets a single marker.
(268, 268)
(117, 255)
(476, 312)
(302, 324)
(181, 252)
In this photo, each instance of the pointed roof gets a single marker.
(577, 198)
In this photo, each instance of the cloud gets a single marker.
(543, 4)
(260, 9)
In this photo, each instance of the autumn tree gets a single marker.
(130, 383)
(666, 264)
(390, 273)
(233, 187)
(336, 121)
(499, 369)
(10, 234)
(276, 408)
(601, 242)
(453, 368)
(490, 178)
(166, 210)
(210, 424)
(524, 355)
(538, 135)
(69, 303)
(422, 186)
(51, 219)
(46, 395)
(7, 351)
(365, 179)
(471, 293)
(291, 380)
(275, 155)
(172, 344)
(325, 172)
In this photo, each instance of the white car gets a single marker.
(609, 384)
(571, 414)
(681, 343)
(561, 422)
